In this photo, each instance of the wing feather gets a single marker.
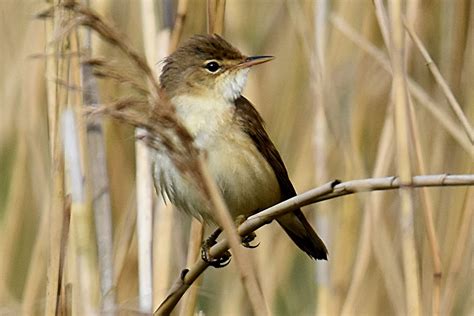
(294, 224)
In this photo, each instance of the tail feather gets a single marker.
(303, 235)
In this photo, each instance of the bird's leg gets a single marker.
(206, 248)
(246, 240)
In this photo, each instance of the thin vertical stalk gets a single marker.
(410, 264)
(163, 216)
(99, 180)
(55, 228)
(189, 300)
(80, 217)
(383, 23)
(181, 14)
(428, 211)
(64, 246)
(144, 181)
(57, 175)
(144, 224)
(318, 69)
(215, 13)
(374, 232)
(412, 13)
(383, 248)
(462, 246)
(163, 246)
(124, 236)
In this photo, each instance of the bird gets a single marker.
(203, 79)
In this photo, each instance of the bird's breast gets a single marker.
(246, 180)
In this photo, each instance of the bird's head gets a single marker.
(207, 65)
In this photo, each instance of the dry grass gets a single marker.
(348, 96)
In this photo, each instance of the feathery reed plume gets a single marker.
(154, 114)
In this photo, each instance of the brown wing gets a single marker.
(294, 224)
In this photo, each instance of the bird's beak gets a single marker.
(254, 60)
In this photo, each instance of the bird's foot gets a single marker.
(220, 262)
(246, 241)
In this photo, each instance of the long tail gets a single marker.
(303, 235)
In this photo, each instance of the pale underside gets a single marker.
(246, 180)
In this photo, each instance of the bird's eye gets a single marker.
(212, 66)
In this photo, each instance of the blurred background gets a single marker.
(326, 100)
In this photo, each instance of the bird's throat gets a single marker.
(203, 115)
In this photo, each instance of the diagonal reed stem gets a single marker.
(325, 192)
(442, 83)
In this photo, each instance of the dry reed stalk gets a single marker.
(464, 240)
(57, 175)
(62, 303)
(442, 83)
(177, 32)
(163, 246)
(375, 234)
(318, 69)
(99, 182)
(81, 231)
(428, 211)
(374, 248)
(189, 301)
(340, 274)
(402, 119)
(468, 66)
(416, 91)
(144, 224)
(412, 13)
(165, 233)
(55, 222)
(215, 14)
(144, 180)
(97, 276)
(454, 22)
(325, 120)
(383, 23)
(124, 235)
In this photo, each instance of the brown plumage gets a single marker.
(294, 224)
(204, 79)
